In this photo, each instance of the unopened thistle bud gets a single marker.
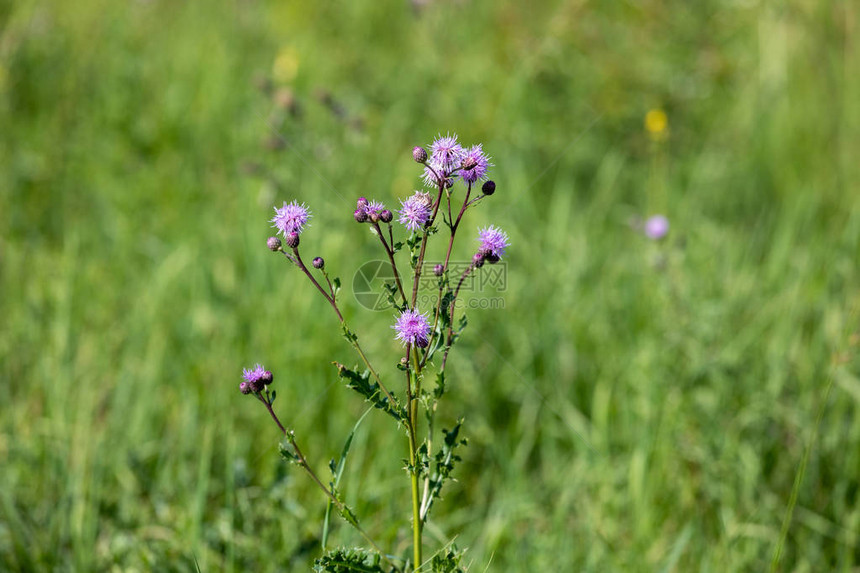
(361, 203)
(419, 154)
(318, 262)
(438, 270)
(274, 244)
(373, 216)
(489, 187)
(386, 216)
(293, 240)
(492, 259)
(360, 215)
(478, 260)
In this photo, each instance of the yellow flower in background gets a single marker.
(286, 65)
(656, 123)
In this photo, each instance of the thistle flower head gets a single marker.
(493, 240)
(415, 211)
(412, 327)
(656, 227)
(291, 218)
(255, 379)
(446, 152)
(419, 154)
(375, 207)
(474, 164)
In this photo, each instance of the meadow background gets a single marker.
(636, 406)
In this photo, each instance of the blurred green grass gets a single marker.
(636, 406)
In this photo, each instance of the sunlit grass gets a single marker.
(637, 405)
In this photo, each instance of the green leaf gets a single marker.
(350, 336)
(447, 561)
(343, 560)
(439, 390)
(371, 391)
(445, 459)
(287, 453)
(337, 472)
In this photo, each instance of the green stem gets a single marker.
(413, 460)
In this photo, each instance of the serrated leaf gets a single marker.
(447, 561)
(287, 454)
(342, 560)
(444, 461)
(371, 391)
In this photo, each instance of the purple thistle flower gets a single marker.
(375, 207)
(291, 218)
(474, 164)
(412, 328)
(255, 379)
(656, 227)
(415, 211)
(446, 152)
(493, 240)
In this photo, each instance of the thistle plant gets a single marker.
(455, 179)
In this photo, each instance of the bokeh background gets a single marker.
(637, 405)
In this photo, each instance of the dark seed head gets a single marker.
(492, 259)
(274, 244)
(489, 187)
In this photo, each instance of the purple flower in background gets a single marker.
(415, 211)
(412, 328)
(291, 218)
(493, 240)
(474, 164)
(255, 379)
(656, 227)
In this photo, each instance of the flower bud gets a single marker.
(419, 154)
(360, 215)
(478, 260)
(274, 244)
(438, 270)
(374, 217)
(293, 240)
(318, 262)
(361, 203)
(267, 377)
(245, 387)
(386, 216)
(489, 187)
(492, 259)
